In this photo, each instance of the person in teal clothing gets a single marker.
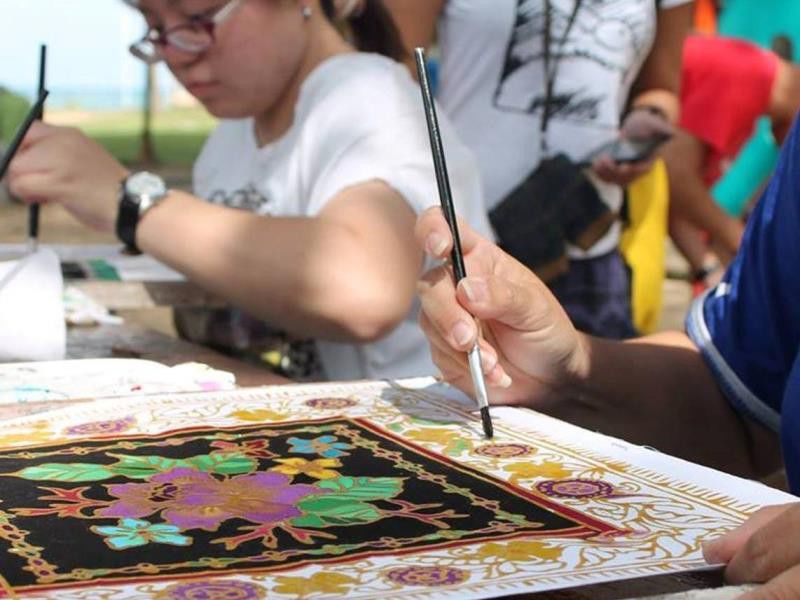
(755, 22)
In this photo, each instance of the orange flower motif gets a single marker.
(318, 469)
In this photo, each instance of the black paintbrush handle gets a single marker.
(42, 76)
(20, 135)
(440, 166)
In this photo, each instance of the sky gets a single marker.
(87, 44)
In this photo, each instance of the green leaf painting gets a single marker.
(364, 488)
(140, 467)
(73, 472)
(347, 502)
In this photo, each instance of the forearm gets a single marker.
(658, 391)
(692, 201)
(282, 270)
(665, 100)
(658, 82)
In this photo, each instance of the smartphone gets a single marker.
(623, 150)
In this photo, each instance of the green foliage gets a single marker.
(13, 109)
(72, 472)
(178, 134)
(347, 502)
(140, 467)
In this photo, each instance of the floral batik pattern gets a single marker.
(254, 498)
(365, 490)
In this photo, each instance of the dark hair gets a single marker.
(373, 29)
(783, 47)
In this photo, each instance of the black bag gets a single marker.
(556, 203)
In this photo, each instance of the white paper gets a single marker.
(26, 383)
(32, 325)
(129, 268)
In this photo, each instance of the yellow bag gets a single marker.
(643, 245)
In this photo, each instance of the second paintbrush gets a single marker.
(446, 199)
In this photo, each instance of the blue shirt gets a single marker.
(748, 327)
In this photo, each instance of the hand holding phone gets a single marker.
(625, 151)
(643, 131)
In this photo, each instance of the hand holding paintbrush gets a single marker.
(445, 196)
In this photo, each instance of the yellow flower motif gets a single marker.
(435, 436)
(34, 433)
(521, 551)
(453, 441)
(319, 583)
(529, 470)
(258, 416)
(318, 469)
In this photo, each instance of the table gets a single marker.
(135, 295)
(133, 341)
(635, 588)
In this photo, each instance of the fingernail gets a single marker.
(488, 362)
(462, 333)
(710, 552)
(435, 244)
(505, 381)
(475, 289)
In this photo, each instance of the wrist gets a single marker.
(138, 193)
(653, 109)
(578, 368)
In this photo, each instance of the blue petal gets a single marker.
(125, 542)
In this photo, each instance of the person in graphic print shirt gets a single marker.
(314, 175)
(616, 64)
(725, 393)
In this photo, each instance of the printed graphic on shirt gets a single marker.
(604, 40)
(247, 198)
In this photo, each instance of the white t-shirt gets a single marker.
(492, 83)
(359, 117)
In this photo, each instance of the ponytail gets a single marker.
(368, 24)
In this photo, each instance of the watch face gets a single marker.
(145, 184)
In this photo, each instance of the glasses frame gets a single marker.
(150, 47)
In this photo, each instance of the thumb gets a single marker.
(526, 305)
(786, 585)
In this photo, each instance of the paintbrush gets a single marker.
(32, 115)
(33, 209)
(457, 259)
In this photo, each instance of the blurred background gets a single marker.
(138, 112)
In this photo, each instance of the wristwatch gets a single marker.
(138, 193)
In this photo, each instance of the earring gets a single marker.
(306, 12)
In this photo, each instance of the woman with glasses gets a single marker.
(306, 193)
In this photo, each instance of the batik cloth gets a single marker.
(368, 490)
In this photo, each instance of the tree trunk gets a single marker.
(147, 153)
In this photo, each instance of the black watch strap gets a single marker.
(127, 220)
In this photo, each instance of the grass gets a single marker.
(178, 133)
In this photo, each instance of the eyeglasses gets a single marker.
(194, 36)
